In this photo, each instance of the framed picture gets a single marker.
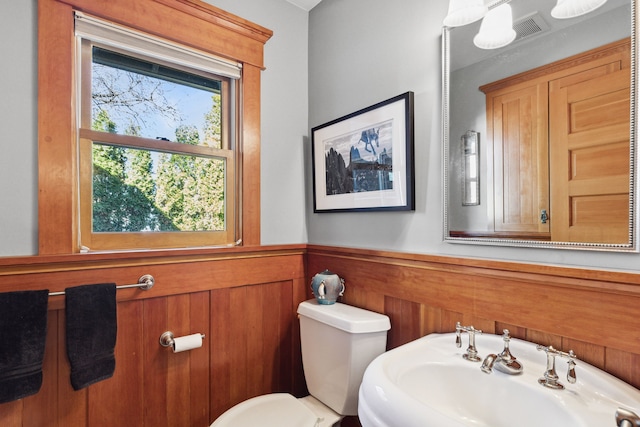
(364, 161)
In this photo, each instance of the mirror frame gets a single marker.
(633, 243)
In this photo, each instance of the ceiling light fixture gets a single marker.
(496, 29)
(463, 12)
(566, 9)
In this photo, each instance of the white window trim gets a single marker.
(114, 35)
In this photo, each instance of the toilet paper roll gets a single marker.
(188, 342)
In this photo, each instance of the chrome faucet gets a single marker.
(472, 353)
(626, 418)
(504, 362)
(550, 378)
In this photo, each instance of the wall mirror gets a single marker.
(555, 113)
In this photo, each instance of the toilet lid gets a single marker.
(270, 410)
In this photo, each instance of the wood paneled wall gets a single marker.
(245, 300)
(594, 312)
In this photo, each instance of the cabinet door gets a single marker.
(517, 126)
(589, 128)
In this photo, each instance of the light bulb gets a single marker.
(496, 29)
(463, 12)
(566, 9)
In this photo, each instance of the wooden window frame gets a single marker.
(189, 22)
(90, 240)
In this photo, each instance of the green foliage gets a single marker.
(184, 187)
(213, 121)
(184, 192)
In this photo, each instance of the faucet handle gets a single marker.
(550, 350)
(550, 378)
(472, 352)
(571, 372)
(469, 329)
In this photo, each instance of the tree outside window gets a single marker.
(158, 160)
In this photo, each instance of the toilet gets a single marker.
(338, 343)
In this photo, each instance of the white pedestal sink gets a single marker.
(427, 383)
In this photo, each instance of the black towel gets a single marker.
(91, 332)
(23, 322)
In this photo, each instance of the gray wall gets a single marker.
(362, 52)
(284, 122)
(18, 133)
(359, 52)
(285, 103)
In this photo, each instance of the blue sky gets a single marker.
(192, 103)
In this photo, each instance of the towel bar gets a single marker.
(145, 282)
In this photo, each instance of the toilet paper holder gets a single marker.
(167, 339)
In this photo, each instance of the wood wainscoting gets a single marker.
(593, 312)
(244, 301)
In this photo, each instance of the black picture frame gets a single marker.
(365, 161)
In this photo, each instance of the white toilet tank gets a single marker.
(338, 343)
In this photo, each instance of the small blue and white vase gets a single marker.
(327, 287)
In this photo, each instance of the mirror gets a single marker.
(553, 172)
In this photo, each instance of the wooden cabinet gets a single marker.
(589, 160)
(520, 153)
(558, 140)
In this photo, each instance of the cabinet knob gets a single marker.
(544, 217)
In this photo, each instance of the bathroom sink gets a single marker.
(427, 383)
(470, 394)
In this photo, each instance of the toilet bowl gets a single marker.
(338, 342)
(278, 409)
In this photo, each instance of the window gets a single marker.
(157, 141)
(203, 41)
